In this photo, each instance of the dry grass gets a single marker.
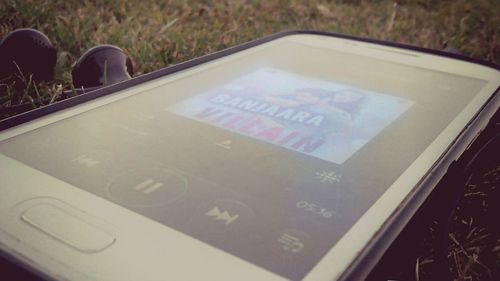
(161, 33)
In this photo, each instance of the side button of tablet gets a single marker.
(67, 228)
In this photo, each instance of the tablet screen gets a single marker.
(269, 159)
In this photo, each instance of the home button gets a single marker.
(60, 222)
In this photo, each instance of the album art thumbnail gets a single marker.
(324, 119)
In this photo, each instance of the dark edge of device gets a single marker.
(371, 254)
(379, 243)
(29, 272)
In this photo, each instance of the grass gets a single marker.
(162, 33)
(470, 242)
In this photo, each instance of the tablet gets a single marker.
(294, 157)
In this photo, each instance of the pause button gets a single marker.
(147, 187)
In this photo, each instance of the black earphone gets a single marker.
(27, 52)
(102, 65)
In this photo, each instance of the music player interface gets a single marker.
(272, 166)
(323, 119)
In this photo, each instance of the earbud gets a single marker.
(102, 65)
(28, 52)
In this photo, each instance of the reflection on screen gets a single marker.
(323, 119)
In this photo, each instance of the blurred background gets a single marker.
(157, 34)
